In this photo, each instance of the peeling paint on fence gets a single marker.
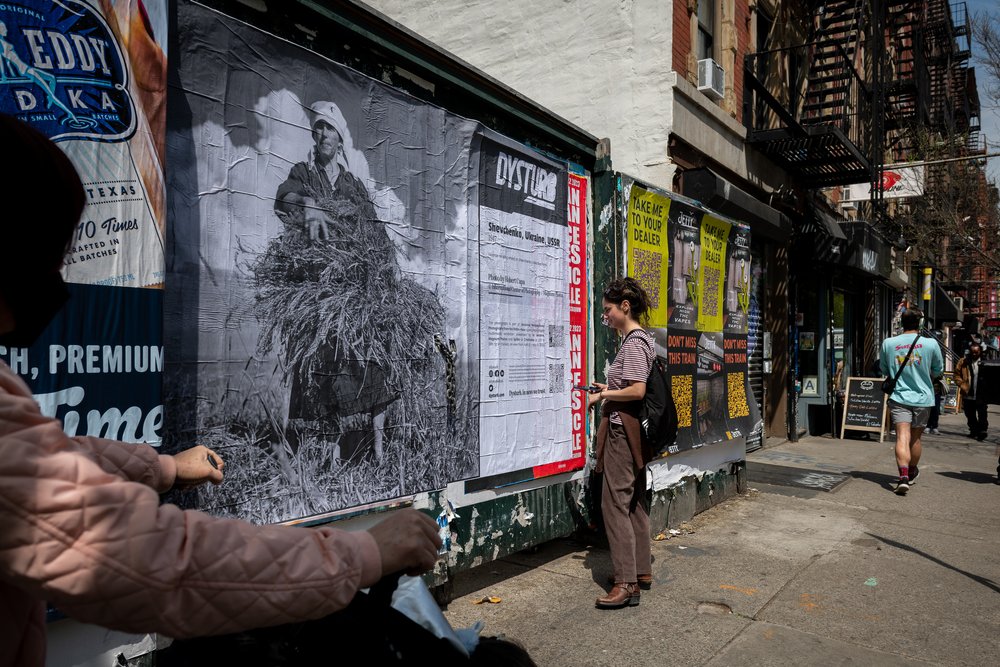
(521, 515)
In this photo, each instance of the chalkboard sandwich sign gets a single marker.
(864, 406)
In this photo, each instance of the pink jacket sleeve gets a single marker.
(105, 550)
(132, 462)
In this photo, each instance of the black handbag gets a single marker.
(889, 384)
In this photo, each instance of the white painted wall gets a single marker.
(605, 65)
(601, 64)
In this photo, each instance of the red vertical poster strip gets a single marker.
(578, 295)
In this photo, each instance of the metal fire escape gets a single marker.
(818, 108)
(932, 98)
(954, 95)
(908, 90)
(870, 75)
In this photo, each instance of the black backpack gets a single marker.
(658, 414)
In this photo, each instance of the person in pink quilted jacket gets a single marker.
(81, 523)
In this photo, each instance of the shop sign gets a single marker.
(896, 183)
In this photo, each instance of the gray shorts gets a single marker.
(908, 414)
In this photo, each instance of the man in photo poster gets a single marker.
(325, 217)
(331, 292)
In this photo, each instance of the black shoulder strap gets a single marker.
(629, 334)
(899, 370)
(654, 367)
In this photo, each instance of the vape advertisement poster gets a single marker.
(683, 232)
(702, 263)
(741, 407)
(648, 249)
(711, 272)
(738, 270)
(682, 364)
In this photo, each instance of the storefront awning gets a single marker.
(866, 252)
(717, 193)
(945, 308)
(819, 238)
(828, 224)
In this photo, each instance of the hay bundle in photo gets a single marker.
(355, 335)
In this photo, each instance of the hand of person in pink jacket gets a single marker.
(408, 541)
(198, 465)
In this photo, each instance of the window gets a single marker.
(706, 29)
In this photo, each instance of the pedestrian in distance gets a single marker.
(939, 391)
(621, 453)
(915, 362)
(967, 377)
(934, 420)
(81, 522)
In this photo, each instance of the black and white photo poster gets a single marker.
(318, 333)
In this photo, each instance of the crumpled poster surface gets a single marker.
(322, 326)
(524, 311)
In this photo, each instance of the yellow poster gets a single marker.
(647, 248)
(712, 273)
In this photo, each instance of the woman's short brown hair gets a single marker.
(628, 289)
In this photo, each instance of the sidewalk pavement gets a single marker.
(784, 575)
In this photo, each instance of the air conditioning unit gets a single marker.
(711, 79)
(845, 194)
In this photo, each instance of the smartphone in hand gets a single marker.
(590, 389)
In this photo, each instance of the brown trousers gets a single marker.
(623, 504)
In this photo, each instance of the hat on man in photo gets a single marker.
(330, 113)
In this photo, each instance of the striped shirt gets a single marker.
(632, 364)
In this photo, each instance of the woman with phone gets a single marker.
(621, 454)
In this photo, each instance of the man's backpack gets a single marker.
(658, 414)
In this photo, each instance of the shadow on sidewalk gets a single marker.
(597, 560)
(883, 480)
(971, 476)
(989, 583)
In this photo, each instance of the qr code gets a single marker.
(647, 267)
(680, 389)
(557, 378)
(738, 406)
(711, 277)
(557, 335)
